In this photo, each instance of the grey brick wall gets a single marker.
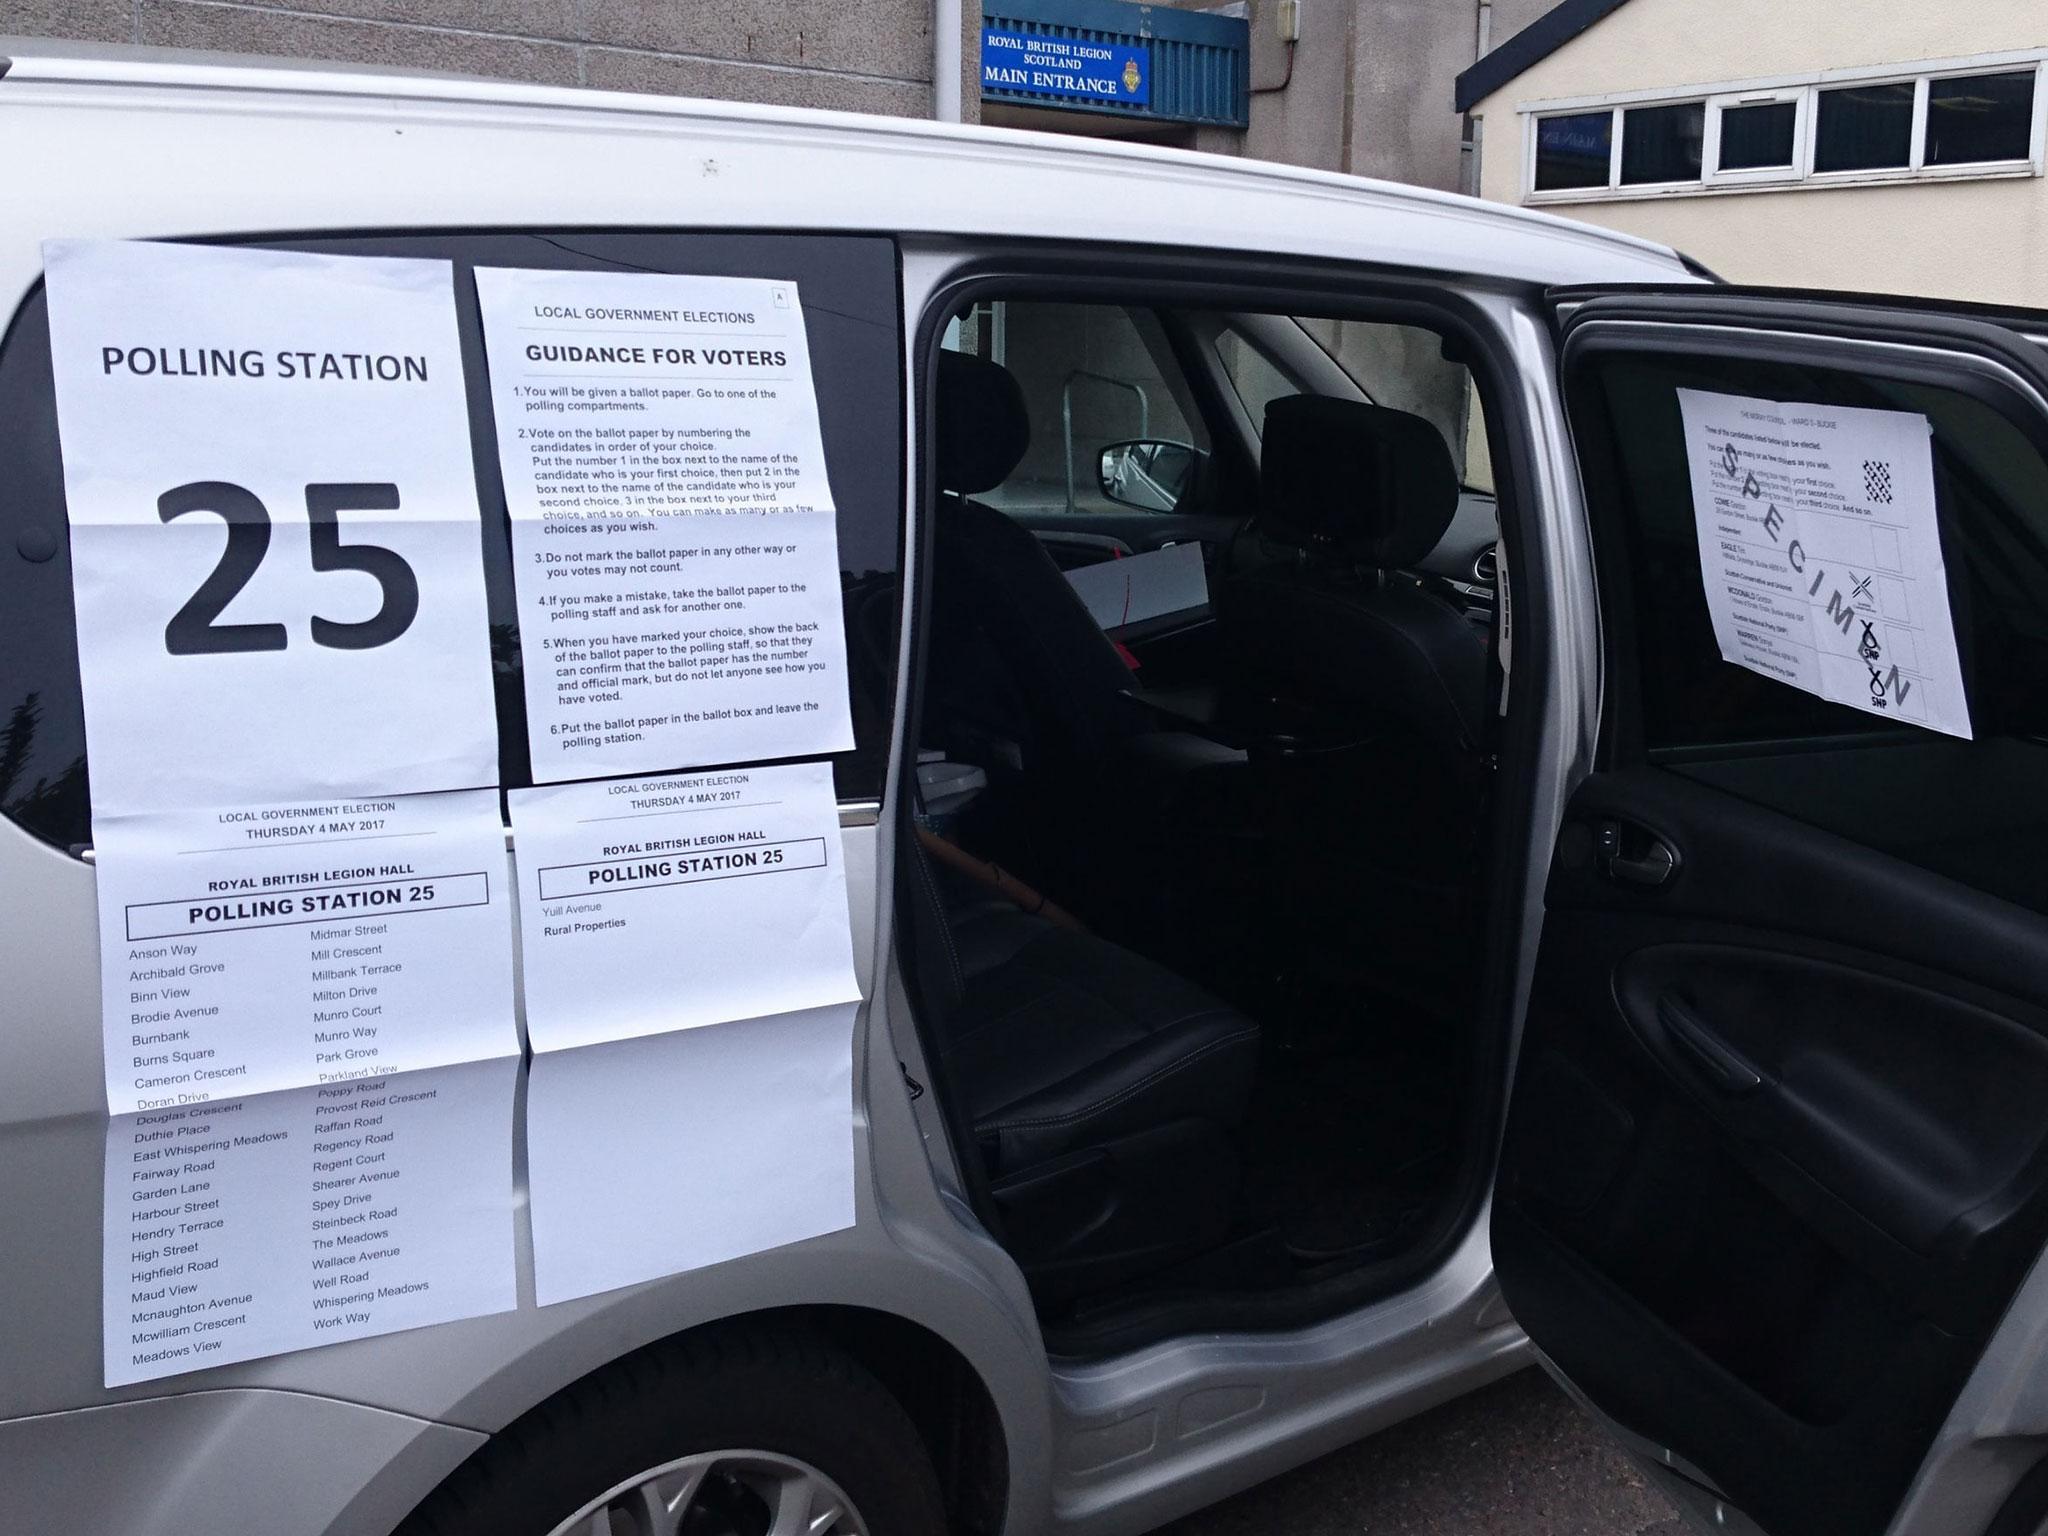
(856, 55)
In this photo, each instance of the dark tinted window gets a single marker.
(1865, 128)
(1980, 117)
(849, 292)
(1759, 137)
(1573, 151)
(1662, 143)
(1976, 810)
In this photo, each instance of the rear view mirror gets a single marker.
(1147, 473)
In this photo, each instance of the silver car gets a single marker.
(1300, 985)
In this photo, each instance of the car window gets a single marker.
(1257, 380)
(1093, 375)
(848, 286)
(1478, 460)
(1401, 366)
(1974, 809)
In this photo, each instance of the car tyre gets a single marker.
(712, 1435)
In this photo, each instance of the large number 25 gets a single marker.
(194, 629)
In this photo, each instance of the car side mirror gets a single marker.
(1147, 473)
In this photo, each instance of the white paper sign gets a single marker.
(672, 527)
(654, 1156)
(274, 530)
(260, 947)
(656, 904)
(1821, 552)
(251, 1226)
(1142, 586)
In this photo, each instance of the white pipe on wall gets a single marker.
(946, 61)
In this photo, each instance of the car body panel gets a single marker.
(237, 1462)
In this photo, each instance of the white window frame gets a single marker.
(1614, 146)
(1916, 134)
(1804, 91)
(1572, 194)
(1801, 100)
(2037, 139)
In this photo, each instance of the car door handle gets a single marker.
(1724, 1066)
(1634, 856)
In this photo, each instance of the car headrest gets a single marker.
(982, 426)
(1357, 480)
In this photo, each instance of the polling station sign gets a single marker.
(1076, 69)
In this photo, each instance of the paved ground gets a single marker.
(1517, 1459)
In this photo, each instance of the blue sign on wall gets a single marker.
(1070, 68)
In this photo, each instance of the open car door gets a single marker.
(1774, 1187)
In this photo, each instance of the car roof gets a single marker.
(107, 140)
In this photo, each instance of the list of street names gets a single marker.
(247, 1226)
(268, 947)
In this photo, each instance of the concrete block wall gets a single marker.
(870, 56)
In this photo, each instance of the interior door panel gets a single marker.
(1776, 1160)
(1777, 1156)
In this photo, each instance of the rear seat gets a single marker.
(1102, 1090)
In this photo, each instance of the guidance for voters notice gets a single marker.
(1821, 551)
(673, 534)
(305, 930)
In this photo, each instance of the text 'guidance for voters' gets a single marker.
(673, 533)
(275, 542)
(1821, 552)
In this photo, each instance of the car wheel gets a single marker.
(730, 1433)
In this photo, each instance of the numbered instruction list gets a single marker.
(1820, 548)
(672, 526)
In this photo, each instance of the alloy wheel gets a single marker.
(721, 1493)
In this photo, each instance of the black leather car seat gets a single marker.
(1001, 609)
(1101, 1089)
(1376, 683)
(1092, 797)
(1321, 615)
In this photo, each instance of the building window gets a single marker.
(1865, 128)
(1574, 150)
(1972, 119)
(1662, 143)
(1760, 136)
(1937, 121)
